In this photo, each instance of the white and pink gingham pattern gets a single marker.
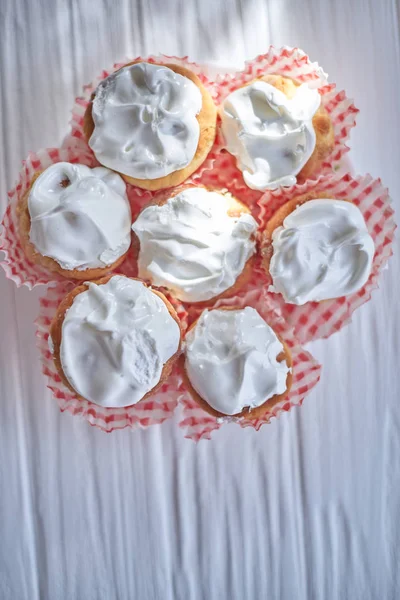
(316, 320)
(293, 63)
(15, 264)
(306, 373)
(82, 102)
(155, 409)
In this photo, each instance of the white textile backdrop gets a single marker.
(308, 508)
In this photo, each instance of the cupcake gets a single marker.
(277, 130)
(114, 341)
(75, 221)
(196, 242)
(317, 248)
(235, 364)
(154, 124)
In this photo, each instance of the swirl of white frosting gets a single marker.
(116, 338)
(231, 360)
(323, 250)
(271, 136)
(80, 217)
(191, 245)
(145, 121)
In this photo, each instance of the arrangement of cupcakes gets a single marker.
(193, 235)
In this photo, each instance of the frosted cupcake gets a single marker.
(115, 341)
(235, 364)
(76, 221)
(154, 124)
(197, 243)
(317, 248)
(278, 131)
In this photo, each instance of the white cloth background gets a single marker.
(308, 508)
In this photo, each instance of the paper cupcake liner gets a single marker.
(82, 102)
(152, 411)
(316, 320)
(198, 424)
(15, 263)
(294, 63)
(224, 176)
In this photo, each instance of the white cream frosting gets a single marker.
(145, 121)
(271, 136)
(192, 246)
(231, 360)
(116, 338)
(323, 250)
(83, 225)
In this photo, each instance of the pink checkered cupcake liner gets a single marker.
(82, 102)
(295, 64)
(198, 424)
(316, 320)
(15, 263)
(152, 411)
